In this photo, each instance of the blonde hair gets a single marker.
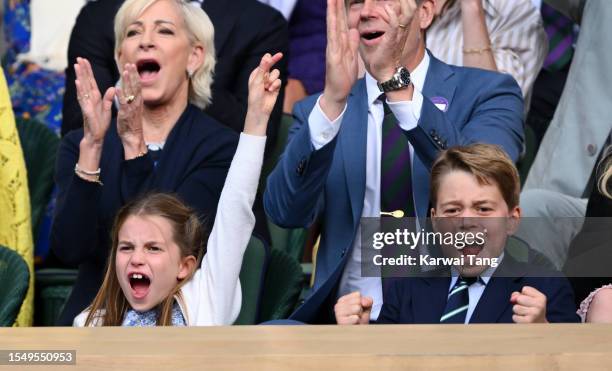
(200, 30)
(110, 304)
(604, 179)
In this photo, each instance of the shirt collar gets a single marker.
(417, 77)
(485, 276)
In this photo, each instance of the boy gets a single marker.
(473, 189)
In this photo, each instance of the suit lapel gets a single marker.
(440, 81)
(353, 139)
(222, 14)
(495, 300)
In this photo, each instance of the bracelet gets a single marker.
(477, 50)
(83, 174)
(77, 170)
(85, 178)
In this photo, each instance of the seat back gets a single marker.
(53, 287)
(14, 283)
(289, 240)
(277, 150)
(283, 285)
(252, 275)
(39, 145)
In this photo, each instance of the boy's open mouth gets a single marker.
(140, 284)
(471, 250)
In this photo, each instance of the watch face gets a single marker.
(404, 76)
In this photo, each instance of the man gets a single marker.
(475, 190)
(244, 31)
(338, 165)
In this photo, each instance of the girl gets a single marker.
(157, 242)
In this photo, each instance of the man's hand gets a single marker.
(353, 309)
(392, 49)
(529, 306)
(341, 60)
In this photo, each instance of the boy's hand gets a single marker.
(529, 306)
(353, 309)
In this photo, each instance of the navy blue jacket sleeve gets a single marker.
(74, 232)
(295, 190)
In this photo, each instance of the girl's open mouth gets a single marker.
(140, 284)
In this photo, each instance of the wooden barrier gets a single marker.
(453, 347)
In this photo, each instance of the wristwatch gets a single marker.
(400, 80)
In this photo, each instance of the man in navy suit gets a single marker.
(475, 189)
(332, 169)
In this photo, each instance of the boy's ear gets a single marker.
(514, 219)
(433, 219)
(186, 267)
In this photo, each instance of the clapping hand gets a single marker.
(129, 116)
(390, 52)
(96, 108)
(264, 86)
(342, 59)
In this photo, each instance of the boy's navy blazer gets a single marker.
(421, 300)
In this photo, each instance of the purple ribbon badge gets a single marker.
(441, 103)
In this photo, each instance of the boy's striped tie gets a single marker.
(458, 301)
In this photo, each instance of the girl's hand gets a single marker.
(264, 87)
(129, 117)
(95, 108)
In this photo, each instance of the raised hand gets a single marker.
(353, 309)
(529, 306)
(96, 108)
(391, 50)
(129, 116)
(342, 60)
(263, 92)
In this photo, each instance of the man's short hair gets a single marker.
(488, 163)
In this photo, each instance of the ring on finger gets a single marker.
(129, 99)
(402, 26)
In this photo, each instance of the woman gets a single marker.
(589, 257)
(160, 141)
(498, 35)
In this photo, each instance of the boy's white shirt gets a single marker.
(213, 296)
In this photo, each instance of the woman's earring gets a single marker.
(189, 74)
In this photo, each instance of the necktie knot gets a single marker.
(467, 280)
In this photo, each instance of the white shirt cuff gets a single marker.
(408, 113)
(322, 129)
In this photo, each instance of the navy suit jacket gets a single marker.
(329, 184)
(423, 300)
